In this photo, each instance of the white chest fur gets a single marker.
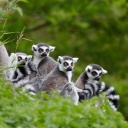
(36, 61)
(91, 81)
(69, 75)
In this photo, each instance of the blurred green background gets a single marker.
(95, 31)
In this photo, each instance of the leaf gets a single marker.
(19, 10)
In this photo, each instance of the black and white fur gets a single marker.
(89, 81)
(60, 75)
(42, 60)
(21, 67)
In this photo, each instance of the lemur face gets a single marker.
(22, 58)
(42, 50)
(66, 63)
(95, 71)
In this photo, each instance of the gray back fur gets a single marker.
(81, 81)
(46, 65)
(55, 80)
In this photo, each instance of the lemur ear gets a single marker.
(51, 48)
(12, 60)
(29, 57)
(75, 60)
(12, 57)
(60, 59)
(34, 47)
(104, 71)
(88, 68)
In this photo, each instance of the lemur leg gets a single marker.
(78, 89)
(20, 77)
(76, 99)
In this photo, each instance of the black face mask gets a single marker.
(97, 78)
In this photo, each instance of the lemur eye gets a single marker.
(72, 64)
(47, 50)
(19, 58)
(26, 59)
(94, 73)
(65, 64)
(40, 50)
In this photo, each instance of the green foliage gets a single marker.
(22, 110)
(8, 7)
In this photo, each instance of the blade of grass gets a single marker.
(26, 39)
(4, 23)
(19, 38)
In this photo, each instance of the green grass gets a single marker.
(22, 110)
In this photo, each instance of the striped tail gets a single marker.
(113, 97)
(95, 89)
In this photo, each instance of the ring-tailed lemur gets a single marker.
(42, 60)
(89, 81)
(60, 75)
(22, 67)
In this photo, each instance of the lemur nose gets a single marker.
(69, 69)
(22, 62)
(44, 54)
(97, 78)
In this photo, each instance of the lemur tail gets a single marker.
(96, 89)
(113, 97)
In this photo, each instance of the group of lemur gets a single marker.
(43, 73)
